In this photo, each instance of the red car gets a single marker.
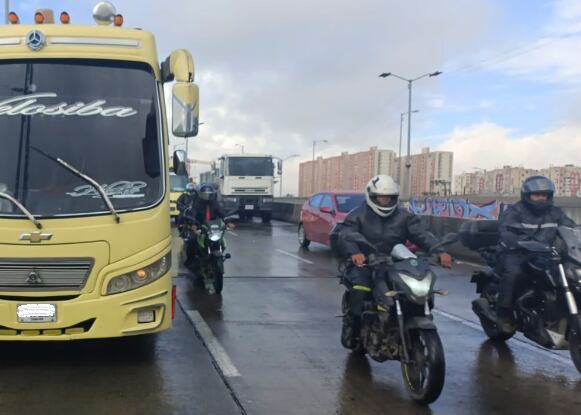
(321, 214)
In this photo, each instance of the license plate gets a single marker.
(249, 207)
(36, 313)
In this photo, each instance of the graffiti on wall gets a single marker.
(455, 208)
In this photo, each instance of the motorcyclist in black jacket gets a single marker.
(204, 208)
(385, 225)
(533, 218)
(185, 203)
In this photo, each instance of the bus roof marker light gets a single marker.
(104, 13)
(65, 18)
(13, 18)
(45, 16)
(118, 21)
(38, 18)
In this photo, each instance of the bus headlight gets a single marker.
(140, 277)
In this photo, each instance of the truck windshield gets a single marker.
(178, 183)
(250, 166)
(100, 116)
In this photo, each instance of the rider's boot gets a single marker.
(505, 320)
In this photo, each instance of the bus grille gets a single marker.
(44, 275)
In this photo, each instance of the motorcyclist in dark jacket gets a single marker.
(533, 218)
(205, 208)
(185, 203)
(385, 225)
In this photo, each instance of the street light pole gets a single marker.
(6, 10)
(241, 148)
(408, 164)
(400, 131)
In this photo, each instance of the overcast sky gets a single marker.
(276, 75)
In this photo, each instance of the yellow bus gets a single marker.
(177, 184)
(84, 177)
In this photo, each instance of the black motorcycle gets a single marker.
(209, 247)
(397, 322)
(545, 304)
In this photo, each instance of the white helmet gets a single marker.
(382, 185)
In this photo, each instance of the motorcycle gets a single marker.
(546, 302)
(397, 322)
(208, 242)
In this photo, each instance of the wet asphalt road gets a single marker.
(276, 320)
(270, 345)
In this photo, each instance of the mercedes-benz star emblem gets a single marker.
(35, 40)
(33, 278)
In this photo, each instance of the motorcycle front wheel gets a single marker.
(424, 374)
(218, 276)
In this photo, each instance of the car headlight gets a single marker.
(267, 200)
(230, 199)
(140, 277)
(419, 288)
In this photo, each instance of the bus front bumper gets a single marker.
(148, 309)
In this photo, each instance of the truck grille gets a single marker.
(44, 275)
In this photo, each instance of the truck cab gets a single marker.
(246, 184)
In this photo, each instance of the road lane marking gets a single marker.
(216, 350)
(295, 256)
(516, 341)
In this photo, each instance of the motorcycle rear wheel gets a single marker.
(424, 375)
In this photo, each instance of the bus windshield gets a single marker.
(100, 117)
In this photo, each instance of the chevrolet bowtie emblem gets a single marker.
(36, 237)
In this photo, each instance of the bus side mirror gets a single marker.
(185, 109)
(179, 162)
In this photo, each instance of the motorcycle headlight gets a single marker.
(140, 277)
(215, 236)
(419, 288)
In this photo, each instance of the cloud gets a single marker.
(488, 146)
(276, 75)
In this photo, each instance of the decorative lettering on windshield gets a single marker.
(28, 105)
(122, 189)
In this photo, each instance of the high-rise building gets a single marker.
(344, 172)
(508, 180)
(567, 179)
(431, 172)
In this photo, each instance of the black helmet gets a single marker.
(537, 184)
(191, 188)
(207, 192)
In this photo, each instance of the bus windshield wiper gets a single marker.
(22, 209)
(86, 178)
